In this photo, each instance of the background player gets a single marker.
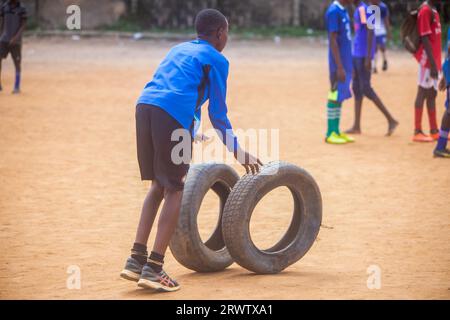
(429, 57)
(363, 52)
(340, 67)
(383, 33)
(13, 17)
(441, 150)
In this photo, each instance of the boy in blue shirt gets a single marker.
(340, 67)
(441, 150)
(363, 53)
(170, 106)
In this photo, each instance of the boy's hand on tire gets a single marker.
(248, 161)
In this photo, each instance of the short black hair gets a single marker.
(209, 21)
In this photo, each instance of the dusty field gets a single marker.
(70, 192)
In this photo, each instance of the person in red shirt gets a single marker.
(429, 58)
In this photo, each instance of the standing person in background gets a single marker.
(383, 33)
(363, 52)
(429, 57)
(340, 67)
(13, 17)
(441, 150)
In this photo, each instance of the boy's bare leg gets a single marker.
(1, 74)
(431, 108)
(168, 220)
(149, 210)
(356, 129)
(392, 123)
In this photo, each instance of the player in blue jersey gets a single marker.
(190, 74)
(364, 45)
(340, 67)
(441, 150)
(382, 34)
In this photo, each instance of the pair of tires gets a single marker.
(231, 240)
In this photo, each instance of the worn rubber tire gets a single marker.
(186, 244)
(302, 232)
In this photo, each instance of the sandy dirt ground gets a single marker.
(70, 192)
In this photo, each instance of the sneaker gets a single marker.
(435, 135)
(421, 137)
(132, 270)
(442, 153)
(157, 281)
(385, 65)
(334, 138)
(16, 91)
(347, 138)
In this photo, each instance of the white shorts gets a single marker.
(426, 81)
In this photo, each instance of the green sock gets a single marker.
(334, 116)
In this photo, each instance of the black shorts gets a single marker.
(15, 51)
(159, 157)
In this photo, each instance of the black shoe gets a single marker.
(157, 281)
(132, 270)
(385, 65)
(442, 154)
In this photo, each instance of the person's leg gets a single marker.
(148, 213)
(418, 106)
(384, 54)
(1, 88)
(392, 123)
(333, 113)
(431, 109)
(443, 134)
(375, 59)
(168, 220)
(371, 95)
(16, 54)
(358, 93)
(356, 129)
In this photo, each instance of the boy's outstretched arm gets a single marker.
(218, 115)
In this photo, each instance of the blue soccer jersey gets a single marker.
(176, 84)
(338, 20)
(446, 66)
(362, 15)
(381, 30)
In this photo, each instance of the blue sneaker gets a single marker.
(157, 281)
(132, 270)
(442, 154)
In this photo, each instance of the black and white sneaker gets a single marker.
(157, 281)
(132, 270)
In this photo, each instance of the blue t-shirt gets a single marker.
(176, 82)
(361, 16)
(446, 66)
(338, 20)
